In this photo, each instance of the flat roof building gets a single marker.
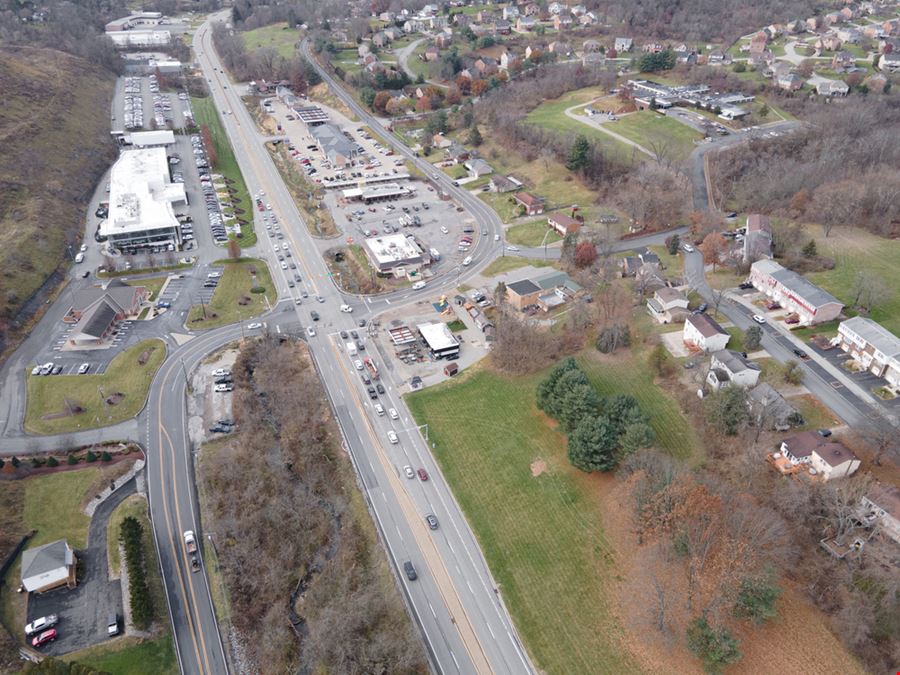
(390, 251)
(141, 200)
(439, 339)
(874, 346)
(799, 296)
(140, 38)
(149, 139)
(376, 193)
(311, 115)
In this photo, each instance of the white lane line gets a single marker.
(432, 610)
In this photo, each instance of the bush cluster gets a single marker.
(131, 536)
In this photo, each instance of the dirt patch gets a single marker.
(72, 408)
(145, 356)
(244, 300)
(538, 467)
(115, 399)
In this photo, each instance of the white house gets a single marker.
(704, 333)
(728, 367)
(873, 346)
(478, 167)
(49, 566)
(623, 44)
(882, 506)
(666, 304)
(829, 458)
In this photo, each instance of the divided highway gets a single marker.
(454, 601)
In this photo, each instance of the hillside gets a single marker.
(54, 131)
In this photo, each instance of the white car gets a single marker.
(83, 368)
(759, 319)
(444, 230)
(223, 388)
(379, 409)
(358, 364)
(347, 309)
(221, 372)
(496, 237)
(311, 331)
(687, 248)
(254, 326)
(36, 370)
(284, 247)
(392, 437)
(467, 261)
(512, 248)
(283, 265)
(393, 414)
(408, 470)
(41, 624)
(419, 285)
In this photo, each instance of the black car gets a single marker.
(360, 346)
(432, 521)
(800, 353)
(343, 335)
(380, 388)
(824, 433)
(314, 315)
(745, 286)
(372, 394)
(365, 378)
(410, 571)
(224, 380)
(354, 335)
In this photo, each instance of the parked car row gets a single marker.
(213, 205)
(42, 631)
(51, 368)
(133, 104)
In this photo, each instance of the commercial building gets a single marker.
(704, 333)
(390, 253)
(141, 201)
(140, 38)
(377, 193)
(311, 115)
(49, 566)
(439, 340)
(664, 96)
(873, 346)
(95, 311)
(148, 139)
(334, 145)
(802, 298)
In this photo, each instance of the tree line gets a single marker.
(131, 534)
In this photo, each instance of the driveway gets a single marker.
(83, 610)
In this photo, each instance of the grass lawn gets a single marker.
(542, 536)
(456, 326)
(508, 263)
(816, 415)
(456, 171)
(135, 506)
(671, 263)
(532, 234)
(125, 375)
(648, 128)
(277, 36)
(855, 250)
(505, 206)
(737, 338)
(234, 286)
(153, 284)
(226, 164)
(416, 64)
(53, 506)
(130, 656)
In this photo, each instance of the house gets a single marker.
(502, 27)
(758, 43)
(757, 238)
(769, 409)
(546, 290)
(789, 81)
(414, 26)
(668, 305)
(590, 46)
(716, 57)
(432, 53)
(579, 10)
(874, 347)
(503, 184)
(648, 278)
(557, 47)
(379, 39)
(510, 13)
(889, 63)
(562, 21)
(832, 88)
(704, 333)
(728, 367)
(829, 43)
(49, 566)
(534, 206)
(843, 61)
(444, 40)
(810, 303)
(440, 141)
(556, 7)
(393, 33)
(532, 9)
(850, 35)
(832, 18)
(881, 506)
(478, 168)
(486, 65)
(876, 83)
(593, 59)
(509, 60)
(563, 224)
(623, 44)
(587, 19)
(828, 458)
(457, 153)
(652, 48)
(485, 16)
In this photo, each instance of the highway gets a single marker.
(454, 601)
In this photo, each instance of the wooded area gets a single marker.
(294, 542)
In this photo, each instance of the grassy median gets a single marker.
(64, 403)
(245, 290)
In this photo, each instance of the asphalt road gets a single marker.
(454, 600)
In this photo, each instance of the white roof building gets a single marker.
(439, 339)
(139, 38)
(874, 346)
(141, 199)
(150, 139)
(390, 251)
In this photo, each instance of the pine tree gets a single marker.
(578, 155)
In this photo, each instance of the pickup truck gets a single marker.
(190, 543)
(41, 624)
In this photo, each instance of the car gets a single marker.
(419, 285)
(56, 370)
(221, 372)
(467, 261)
(392, 437)
(758, 319)
(380, 388)
(223, 388)
(800, 353)
(112, 624)
(254, 325)
(512, 248)
(444, 230)
(354, 335)
(283, 265)
(687, 248)
(702, 308)
(314, 315)
(432, 521)
(347, 309)
(423, 475)
(311, 331)
(365, 378)
(42, 624)
(410, 571)
(319, 298)
(44, 638)
(36, 370)
(83, 368)
(343, 335)
(393, 414)
(745, 286)
(358, 364)
(824, 433)
(372, 393)
(195, 564)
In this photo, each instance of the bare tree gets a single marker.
(869, 291)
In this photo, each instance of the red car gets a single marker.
(423, 475)
(44, 638)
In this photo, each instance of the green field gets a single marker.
(855, 250)
(508, 263)
(532, 234)
(135, 506)
(504, 204)
(277, 36)
(53, 506)
(130, 656)
(649, 129)
(205, 113)
(416, 64)
(153, 284)
(234, 285)
(551, 115)
(542, 536)
(59, 393)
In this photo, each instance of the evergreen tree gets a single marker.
(593, 446)
(578, 155)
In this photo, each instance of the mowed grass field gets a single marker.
(535, 233)
(855, 250)
(277, 36)
(649, 129)
(130, 656)
(234, 284)
(49, 394)
(542, 535)
(226, 164)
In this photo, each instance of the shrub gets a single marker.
(131, 534)
(71, 460)
(90, 457)
(15, 461)
(613, 337)
(35, 462)
(105, 456)
(716, 648)
(258, 289)
(52, 461)
(756, 600)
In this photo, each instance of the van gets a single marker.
(418, 285)
(351, 349)
(451, 369)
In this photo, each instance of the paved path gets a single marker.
(600, 126)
